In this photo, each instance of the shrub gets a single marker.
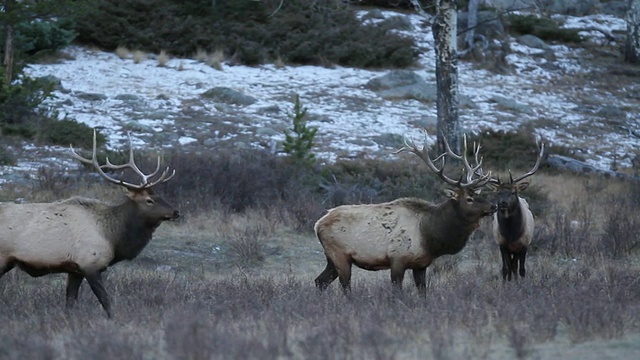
(544, 28)
(6, 157)
(67, 131)
(37, 37)
(20, 113)
(250, 32)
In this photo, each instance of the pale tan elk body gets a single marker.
(406, 233)
(82, 237)
(513, 223)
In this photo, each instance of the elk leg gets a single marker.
(95, 281)
(522, 255)
(506, 263)
(73, 285)
(343, 267)
(327, 276)
(420, 278)
(397, 274)
(514, 265)
(7, 267)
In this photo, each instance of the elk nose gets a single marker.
(176, 214)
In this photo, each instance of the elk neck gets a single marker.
(126, 230)
(511, 222)
(444, 230)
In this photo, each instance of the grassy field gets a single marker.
(225, 285)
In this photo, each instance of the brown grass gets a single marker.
(227, 285)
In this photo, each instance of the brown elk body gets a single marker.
(406, 233)
(82, 237)
(513, 223)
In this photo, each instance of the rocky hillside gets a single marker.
(580, 96)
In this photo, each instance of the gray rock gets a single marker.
(228, 96)
(397, 23)
(403, 84)
(394, 79)
(373, 14)
(488, 25)
(91, 96)
(267, 131)
(127, 97)
(389, 140)
(564, 7)
(612, 112)
(616, 8)
(268, 109)
(55, 82)
(532, 42)
(566, 163)
(512, 105)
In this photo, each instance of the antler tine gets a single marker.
(131, 164)
(533, 169)
(472, 170)
(94, 162)
(409, 145)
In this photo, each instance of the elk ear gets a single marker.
(451, 193)
(522, 186)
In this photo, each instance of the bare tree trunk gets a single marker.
(632, 47)
(8, 53)
(8, 7)
(444, 33)
(472, 22)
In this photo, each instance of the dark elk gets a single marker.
(513, 223)
(83, 237)
(407, 233)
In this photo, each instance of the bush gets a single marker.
(43, 36)
(545, 29)
(6, 157)
(20, 114)
(65, 132)
(249, 32)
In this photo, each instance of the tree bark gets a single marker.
(472, 22)
(632, 46)
(8, 47)
(8, 53)
(444, 33)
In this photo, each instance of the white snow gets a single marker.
(330, 94)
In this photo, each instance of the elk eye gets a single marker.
(150, 201)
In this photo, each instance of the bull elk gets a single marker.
(83, 237)
(513, 223)
(406, 233)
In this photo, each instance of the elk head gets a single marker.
(468, 186)
(153, 208)
(507, 192)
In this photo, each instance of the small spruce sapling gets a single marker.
(299, 140)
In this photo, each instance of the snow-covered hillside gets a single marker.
(562, 99)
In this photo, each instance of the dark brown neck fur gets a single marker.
(512, 227)
(444, 229)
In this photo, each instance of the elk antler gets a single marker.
(533, 169)
(469, 170)
(145, 184)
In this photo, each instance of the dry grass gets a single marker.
(214, 59)
(139, 56)
(163, 58)
(221, 285)
(123, 52)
